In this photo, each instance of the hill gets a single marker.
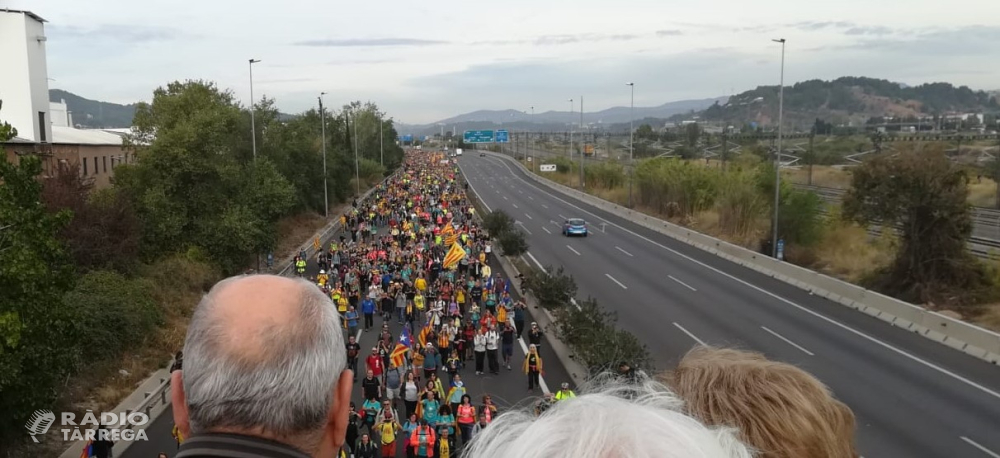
(93, 113)
(556, 120)
(849, 100)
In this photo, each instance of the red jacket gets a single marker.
(374, 362)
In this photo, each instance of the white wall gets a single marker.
(58, 113)
(24, 85)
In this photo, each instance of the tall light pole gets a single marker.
(569, 149)
(583, 143)
(777, 155)
(322, 129)
(253, 128)
(631, 141)
(536, 159)
(381, 148)
(357, 166)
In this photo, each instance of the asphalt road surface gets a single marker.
(912, 397)
(508, 389)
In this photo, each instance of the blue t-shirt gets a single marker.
(352, 318)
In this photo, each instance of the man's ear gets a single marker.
(178, 402)
(338, 419)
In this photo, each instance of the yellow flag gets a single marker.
(455, 254)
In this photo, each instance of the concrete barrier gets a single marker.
(965, 337)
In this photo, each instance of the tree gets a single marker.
(35, 329)
(924, 195)
(104, 231)
(592, 333)
(691, 133)
(195, 183)
(645, 131)
(552, 287)
(513, 243)
(497, 222)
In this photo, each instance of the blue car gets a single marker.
(574, 226)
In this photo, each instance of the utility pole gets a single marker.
(381, 148)
(569, 149)
(253, 128)
(631, 140)
(357, 166)
(583, 143)
(777, 155)
(322, 117)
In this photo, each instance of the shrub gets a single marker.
(740, 204)
(663, 182)
(593, 335)
(112, 313)
(497, 222)
(552, 288)
(607, 175)
(800, 219)
(513, 243)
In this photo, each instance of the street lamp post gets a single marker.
(569, 149)
(777, 156)
(381, 147)
(253, 128)
(322, 120)
(631, 141)
(536, 159)
(357, 166)
(583, 143)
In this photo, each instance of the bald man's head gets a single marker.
(265, 355)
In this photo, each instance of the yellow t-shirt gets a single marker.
(420, 284)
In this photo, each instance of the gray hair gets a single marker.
(286, 391)
(612, 419)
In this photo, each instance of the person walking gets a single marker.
(366, 448)
(465, 414)
(564, 392)
(411, 394)
(388, 428)
(353, 352)
(423, 440)
(507, 343)
(535, 336)
(479, 346)
(352, 321)
(519, 317)
(368, 308)
(492, 346)
(533, 367)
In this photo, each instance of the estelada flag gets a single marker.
(455, 254)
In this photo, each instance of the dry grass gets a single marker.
(990, 318)
(823, 175)
(984, 193)
(849, 253)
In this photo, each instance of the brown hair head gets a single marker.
(779, 409)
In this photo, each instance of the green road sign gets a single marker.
(478, 136)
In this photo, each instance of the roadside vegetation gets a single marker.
(97, 286)
(925, 262)
(589, 330)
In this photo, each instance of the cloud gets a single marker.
(820, 25)
(115, 32)
(557, 40)
(962, 41)
(669, 33)
(868, 30)
(370, 42)
(348, 62)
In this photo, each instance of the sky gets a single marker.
(425, 61)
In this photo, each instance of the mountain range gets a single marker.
(94, 114)
(555, 120)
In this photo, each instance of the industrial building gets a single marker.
(45, 128)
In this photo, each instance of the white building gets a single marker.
(24, 83)
(60, 114)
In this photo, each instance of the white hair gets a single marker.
(611, 420)
(286, 391)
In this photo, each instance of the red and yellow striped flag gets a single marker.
(455, 254)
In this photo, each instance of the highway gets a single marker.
(509, 388)
(912, 397)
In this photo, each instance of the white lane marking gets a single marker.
(546, 229)
(836, 323)
(578, 254)
(479, 197)
(612, 278)
(545, 206)
(555, 223)
(980, 447)
(623, 251)
(520, 192)
(789, 342)
(525, 228)
(515, 205)
(529, 216)
(685, 331)
(505, 198)
(562, 217)
(529, 197)
(498, 191)
(685, 284)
